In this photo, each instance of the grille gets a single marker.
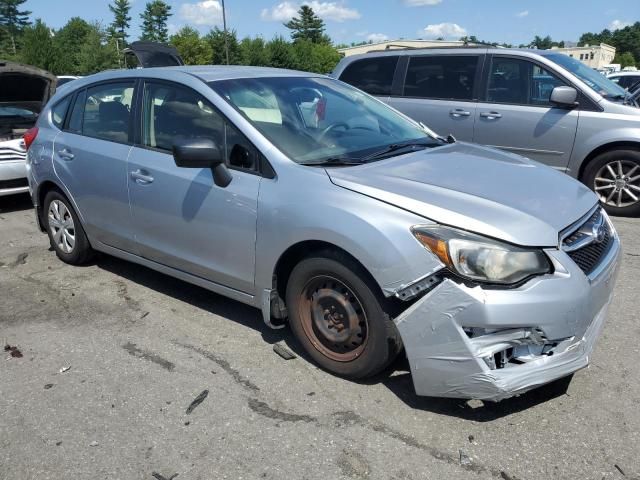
(15, 183)
(589, 256)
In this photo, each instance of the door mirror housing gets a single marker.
(202, 153)
(564, 97)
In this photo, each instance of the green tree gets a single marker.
(625, 39)
(314, 57)
(281, 53)
(37, 46)
(193, 49)
(154, 21)
(545, 43)
(253, 51)
(13, 21)
(625, 59)
(215, 38)
(121, 19)
(96, 53)
(307, 26)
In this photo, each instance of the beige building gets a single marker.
(399, 44)
(594, 56)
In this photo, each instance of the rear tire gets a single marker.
(336, 312)
(65, 232)
(615, 177)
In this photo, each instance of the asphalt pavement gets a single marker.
(110, 357)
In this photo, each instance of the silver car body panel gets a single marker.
(367, 211)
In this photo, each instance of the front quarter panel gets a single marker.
(303, 205)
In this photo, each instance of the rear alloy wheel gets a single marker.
(339, 316)
(65, 232)
(615, 177)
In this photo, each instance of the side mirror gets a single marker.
(202, 153)
(564, 97)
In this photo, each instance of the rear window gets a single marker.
(441, 77)
(373, 75)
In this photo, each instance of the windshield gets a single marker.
(15, 112)
(598, 82)
(317, 119)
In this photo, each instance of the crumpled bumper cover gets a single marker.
(446, 362)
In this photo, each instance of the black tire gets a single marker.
(381, 343)
(597, 169)
(81, 252)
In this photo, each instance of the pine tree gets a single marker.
(12, 23)
(121, 19)
(307, 26)
(154, 21)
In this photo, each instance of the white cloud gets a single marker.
(207, 12)
(335, 11)
(522, 14)
(421, 3)
(618, 24)
(444, 30)
(377, 37)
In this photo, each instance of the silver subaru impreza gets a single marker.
(323, 207)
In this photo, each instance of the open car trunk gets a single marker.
(24, 90)
(152, 54)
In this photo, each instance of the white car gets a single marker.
(24, 90)
(625, 79)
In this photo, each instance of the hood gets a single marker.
(475, 188)
(152, 54)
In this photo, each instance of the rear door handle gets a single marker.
(459, 112)
(66, 154)
(141, 177)
(491, 115)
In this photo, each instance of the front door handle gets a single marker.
(459, 112)
(141, 177)
(491, 115)
(65, 154)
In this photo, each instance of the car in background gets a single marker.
(24, 91)
(541, 104)
(309, 199)
(625, 79)
(64, 79)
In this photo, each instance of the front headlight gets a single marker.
(480, 258)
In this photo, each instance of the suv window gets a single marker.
(59, 111)
(520, 82)
(171, 112)
(373, 75)
(75, 119)
(441, 77)
(107, 111)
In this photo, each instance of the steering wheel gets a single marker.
(330, 128)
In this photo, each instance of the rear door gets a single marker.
(374, 75)
(515, 113)
(441, 92)
(90, 158)
(182, 218)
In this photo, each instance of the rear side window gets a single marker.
(107, 110)
(75, 119)
(441, 77)
(373, 75)
(59, 111)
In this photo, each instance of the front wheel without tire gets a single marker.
(615, 177)
(65, 232)
(337, 315)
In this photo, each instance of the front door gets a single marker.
(90, 158)
(516, 115)
(182, 218)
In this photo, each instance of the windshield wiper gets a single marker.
(396, 147)
(332, 162)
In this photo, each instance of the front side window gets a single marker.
(317, 119)
(372, 75)
(441, 77)
(520, 82)
(107, 111)
(172, 113)
(594, 80)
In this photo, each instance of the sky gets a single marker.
(509, 21)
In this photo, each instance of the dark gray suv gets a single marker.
(538, 103)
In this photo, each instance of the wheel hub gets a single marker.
(61, 225)
(618, 183)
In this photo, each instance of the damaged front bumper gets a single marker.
(487, 344)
